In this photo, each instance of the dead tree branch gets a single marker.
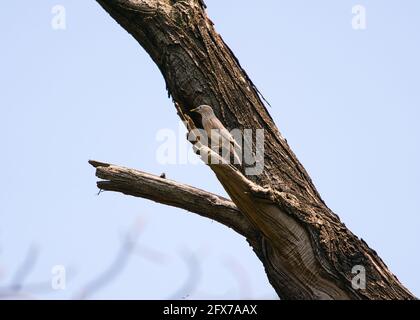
(145, 185)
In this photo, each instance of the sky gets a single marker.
(346, 99)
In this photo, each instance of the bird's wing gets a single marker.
(226, 135)
(222, 137)
(216, 124)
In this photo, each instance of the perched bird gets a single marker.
(163, 175)
(215, 130)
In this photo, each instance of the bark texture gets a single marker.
(162, 190)
(306, 251)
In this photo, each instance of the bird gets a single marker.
(216, 130)
(163, 175)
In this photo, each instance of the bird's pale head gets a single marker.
(204, 110)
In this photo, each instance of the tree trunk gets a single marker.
(307, 252)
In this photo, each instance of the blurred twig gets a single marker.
(24, 269)
(118, 264)
(242, 278)
(193, 278)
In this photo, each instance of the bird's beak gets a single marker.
(194, 110)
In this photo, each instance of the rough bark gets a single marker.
(162, 190)
(306, 251)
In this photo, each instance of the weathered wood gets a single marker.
(306, 251)
(162, 190)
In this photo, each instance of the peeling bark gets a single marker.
(307, 252)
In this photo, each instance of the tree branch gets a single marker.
(144, 185)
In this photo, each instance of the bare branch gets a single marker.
(144, 185)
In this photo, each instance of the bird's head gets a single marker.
(204, 110)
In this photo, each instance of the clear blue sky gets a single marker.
(347, 101)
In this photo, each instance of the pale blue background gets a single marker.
(347, 101)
